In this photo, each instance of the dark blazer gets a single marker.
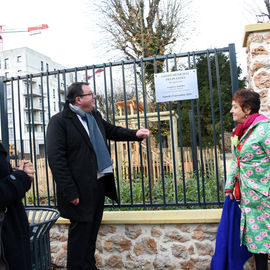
(15, 233)
(73, 162)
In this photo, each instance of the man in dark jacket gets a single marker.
(82, 168)
(15, 230)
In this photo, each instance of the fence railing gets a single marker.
(46, 186)
(162, 171)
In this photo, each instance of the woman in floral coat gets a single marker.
(251, 169)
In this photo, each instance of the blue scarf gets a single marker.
(103, 157)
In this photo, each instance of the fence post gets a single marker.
(193, 141)
(3, 110)
(233, 68)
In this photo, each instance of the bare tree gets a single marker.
(265, 14)
(259, 11)
(140, 28)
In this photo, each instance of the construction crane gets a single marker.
(96, 72)
(32, 30)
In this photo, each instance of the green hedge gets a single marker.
(206, 183)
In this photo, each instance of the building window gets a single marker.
(53, 93)
(41, 116)
(41, 66)
(11, 132)
(54, 106)
(9, 104)
(6, 74)
(10, 118)
(40, 102)
(26, 102)
(29, 117)
(19, 59)
(6, 63)
(8, 90)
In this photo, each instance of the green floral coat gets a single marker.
(254, 175)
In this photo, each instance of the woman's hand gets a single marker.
(229, 194)
(28, 168)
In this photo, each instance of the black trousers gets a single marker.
(261, 261)
(82, 236)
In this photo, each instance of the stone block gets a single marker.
(179, 251)
(175, 236)
(162, 262)
(258, 51)
(114, 262)
(262, 80)
(204, 248)
(118, 243)
(133, 231)
(106, 229)
(155, 232)
(145, 245)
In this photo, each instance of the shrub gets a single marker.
(188, 192)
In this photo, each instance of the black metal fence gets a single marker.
(175, 167)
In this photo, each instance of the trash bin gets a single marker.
(41, 220)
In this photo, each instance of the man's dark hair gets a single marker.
(248, 99)
(75, 90)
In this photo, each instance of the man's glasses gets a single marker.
(90, 94)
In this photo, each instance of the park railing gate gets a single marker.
(182, 164)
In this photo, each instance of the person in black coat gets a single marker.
(82, 168)
(15, 231)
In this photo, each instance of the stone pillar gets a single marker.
(257, 43)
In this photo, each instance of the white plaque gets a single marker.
(176, 85)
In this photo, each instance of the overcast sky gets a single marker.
(73, 38)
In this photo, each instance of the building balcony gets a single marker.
(36, 122)
(35, 93)
(36, 107)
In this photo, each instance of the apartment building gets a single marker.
(30, 102)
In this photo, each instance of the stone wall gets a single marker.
(146, 246)
(258, 63)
